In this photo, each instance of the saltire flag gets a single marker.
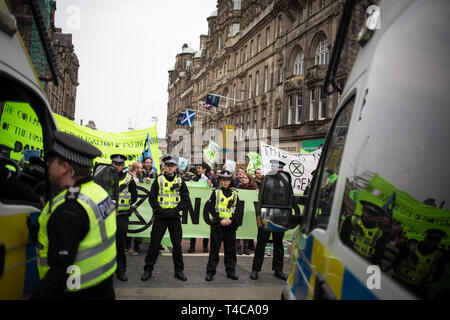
(186, 119)
(212, 100)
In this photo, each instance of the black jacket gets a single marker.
(168, 213)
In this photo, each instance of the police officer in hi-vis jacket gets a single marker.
(223, 202)
(168, 196)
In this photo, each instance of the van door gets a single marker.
(311, 273)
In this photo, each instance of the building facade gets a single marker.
(270, 58)
(62, 97)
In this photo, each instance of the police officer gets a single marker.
(76, 237)
(363, 234)
(263, 237)
(420, 263)
(127, 196)
(168, 196)
(223, 202)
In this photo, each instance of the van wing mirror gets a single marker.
(276, 202)
(107, 177)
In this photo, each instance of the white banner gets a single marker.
(298, 165)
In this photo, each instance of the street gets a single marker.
(164, 286)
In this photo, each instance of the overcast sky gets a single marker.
(123, 46)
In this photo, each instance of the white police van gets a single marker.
(381, 228)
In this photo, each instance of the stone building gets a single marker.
(273, 57)
(62, 97)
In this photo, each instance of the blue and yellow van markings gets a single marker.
(312, 258)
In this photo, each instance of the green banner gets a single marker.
(21, 130)
(193, 220)
(415, 217)
(130, 143)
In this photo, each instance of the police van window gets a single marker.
(395, 210)
(330, 170)
(21, 145)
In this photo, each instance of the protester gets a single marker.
(135, 170)
(240, 175)
(247, 183)
(258, 178)
(203, 173)
(148, 171)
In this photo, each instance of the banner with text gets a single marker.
(194, 218)
(299, 165)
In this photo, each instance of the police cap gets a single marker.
(5, 151)
(371, 208)
(436, 233)
(73, 149)
(225, 175)
(170, 161)
(277, 163)
(118, 158)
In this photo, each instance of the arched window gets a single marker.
(299, 64)
(322, 52)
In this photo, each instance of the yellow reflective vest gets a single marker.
(124, 195)
(169, 192)
(416, 272)
(222, 204)
(364, 243)
(96, 254)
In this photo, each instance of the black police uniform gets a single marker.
(262, 239)
(220, 233)
(123, 221)
(67, 227)
(166, 219)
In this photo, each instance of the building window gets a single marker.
(266, 78)
(245, 54)
(236, 27)
(299, 64)
(242, 56)
(323, 102)
(188, 63)
(258, 43)
(257, 83)
(234, 94)
(312, 104)
(236, 59)
(280, 26)
(290, 109)
(251, 49)
(298, 108)
(267, 36)
(219, 45)
(322, 4)
(250, 87)
(237, 4)
(225, 67)
(300, 15)
(310, 5)
(322, 52)
(278, 118)
(242, 91)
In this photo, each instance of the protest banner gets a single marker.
(22, 131)
(298, 165)
(415, 217)
(194, 218)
